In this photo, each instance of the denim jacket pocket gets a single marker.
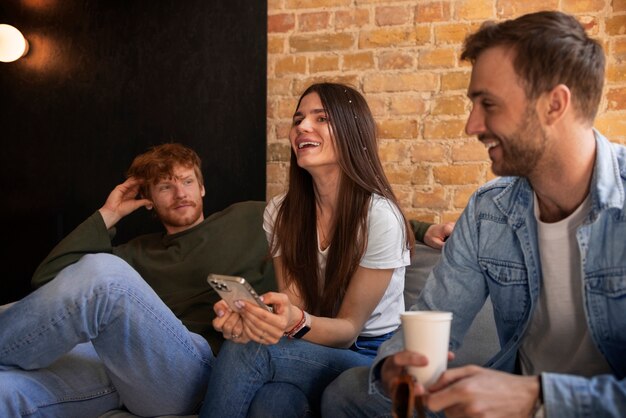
(606, 299)
(508, 287)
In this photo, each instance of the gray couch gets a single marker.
(481, 341)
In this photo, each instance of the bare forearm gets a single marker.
(332, 332)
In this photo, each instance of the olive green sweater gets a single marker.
(419, 229)
(176, 266)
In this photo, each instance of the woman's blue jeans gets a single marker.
(93, 339)
(242, 370)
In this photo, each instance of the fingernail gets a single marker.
(220, 314)
(239, 304)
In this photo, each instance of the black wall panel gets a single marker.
(103, 81)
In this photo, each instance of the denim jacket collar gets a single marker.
(606, 184)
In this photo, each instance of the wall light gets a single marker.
(13, 45)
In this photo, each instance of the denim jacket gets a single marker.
(493, 251)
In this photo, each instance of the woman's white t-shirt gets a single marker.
(386, 249)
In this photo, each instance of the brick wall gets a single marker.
(404, 56)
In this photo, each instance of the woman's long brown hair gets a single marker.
(295, 233)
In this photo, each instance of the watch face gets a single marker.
(302, 332)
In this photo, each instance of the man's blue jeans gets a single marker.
(95, 338)
(243, 370)
(348, 397)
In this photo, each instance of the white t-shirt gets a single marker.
(557, 339)
(386, 249)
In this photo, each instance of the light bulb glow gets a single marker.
(13, 45)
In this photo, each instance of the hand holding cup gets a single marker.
(427, 333)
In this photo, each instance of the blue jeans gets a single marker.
(348, 397)
(282, 400)
(95, 338)
(242, 370)
(368, 346)
(288, 401)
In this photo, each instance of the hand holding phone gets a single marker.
(232, 288)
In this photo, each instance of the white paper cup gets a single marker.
(427, 333)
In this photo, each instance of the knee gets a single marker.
(98, 269)
(97, 274)
(105, 264)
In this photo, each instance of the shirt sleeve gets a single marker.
(89, 237)
(386, 237)
(390, 347)
(570, 396)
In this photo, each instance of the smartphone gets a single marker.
(232, 288)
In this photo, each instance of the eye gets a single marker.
(164, 187)
(322, 118)
(487, 104)
(297, 121)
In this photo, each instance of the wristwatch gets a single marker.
(305, 328)
(302, 327)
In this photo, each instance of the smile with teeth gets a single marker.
(490, 144)
(308, 144)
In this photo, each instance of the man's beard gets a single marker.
(169, 218)
(522, 149)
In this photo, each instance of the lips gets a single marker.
(185, 204)
(307, 144)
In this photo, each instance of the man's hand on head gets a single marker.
(122, 201)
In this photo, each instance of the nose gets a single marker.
(181, 193)
(475, 124)
(304, 125)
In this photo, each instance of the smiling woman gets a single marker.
(311, 135)
(340, 244)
